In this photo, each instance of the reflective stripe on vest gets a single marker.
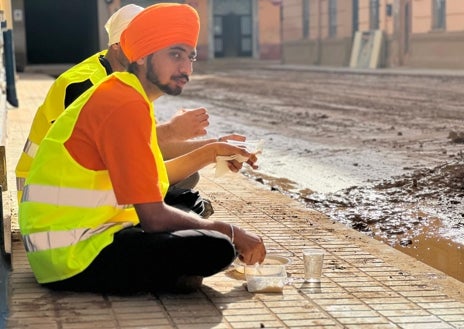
(57, 239)
(20, 183)
(30, 148)
(73, 197)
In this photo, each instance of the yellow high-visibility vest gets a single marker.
(69, 213)
(53, 105)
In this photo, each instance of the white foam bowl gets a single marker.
(269, 260)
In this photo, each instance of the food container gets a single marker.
(269, 260)
(265, 278)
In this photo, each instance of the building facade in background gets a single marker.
(66, 32)
(416, 33)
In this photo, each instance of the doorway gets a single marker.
(233, 28)
(60, 31)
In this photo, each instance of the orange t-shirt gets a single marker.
(113, 132)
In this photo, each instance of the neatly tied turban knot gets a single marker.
(160, 26)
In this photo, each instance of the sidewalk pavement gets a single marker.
(365, 284)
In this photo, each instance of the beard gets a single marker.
(152, 76)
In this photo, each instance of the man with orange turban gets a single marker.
(173, 135)
(92, 217)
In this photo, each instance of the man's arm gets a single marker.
(183, 166)
(185, 124)
(173, 149)
(159, 217)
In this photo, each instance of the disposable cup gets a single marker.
(313, 261)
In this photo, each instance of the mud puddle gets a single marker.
(420, 213)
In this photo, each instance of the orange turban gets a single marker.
(159, 26)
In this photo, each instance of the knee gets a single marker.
(219, 250)
(190, 182)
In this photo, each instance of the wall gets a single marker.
(292, 25)
(318, 48)
(422, 48)
(455, 19)
(269, 31)
(295, 48)
(435, 49)
(203, 39)
(300, 52)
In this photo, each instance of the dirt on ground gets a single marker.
(382, 153)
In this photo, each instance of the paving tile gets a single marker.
(434, 325)
(382, 301)
(394, 306)
(203, 326)
(313, 323)
(448, 303)
(32, 324)
(448, 311)
(414, 318)
(89, 325)
(259, 323)
(354, 313)
(371, 320)
(459, 324)
(371, 326)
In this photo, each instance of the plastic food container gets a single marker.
(265, 278)
(269, 260)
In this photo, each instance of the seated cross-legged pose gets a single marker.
(92, 216)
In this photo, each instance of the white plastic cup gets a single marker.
(313, 261)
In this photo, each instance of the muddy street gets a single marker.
(382, 153)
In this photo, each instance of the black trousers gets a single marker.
(138, 261)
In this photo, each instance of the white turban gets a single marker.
(119, 21)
